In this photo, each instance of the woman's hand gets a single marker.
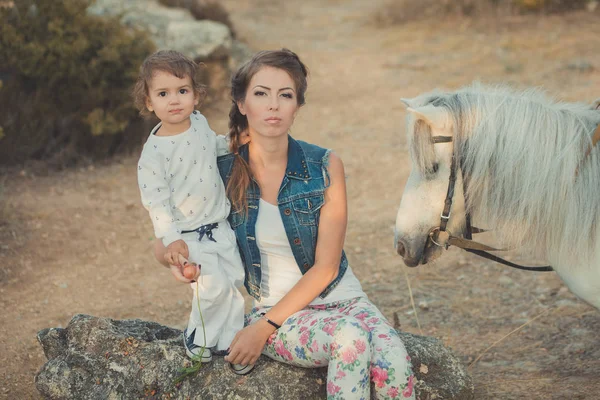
(247, 345)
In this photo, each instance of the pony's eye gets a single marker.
(435, 167)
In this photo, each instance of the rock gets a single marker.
(101, 358)
(440, 374)
(204, 41)
(200, 40)
(54, 341)
(240, 52)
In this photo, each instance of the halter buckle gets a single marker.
(434, 236)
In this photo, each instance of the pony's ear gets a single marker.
(407, 102)
(437, 117)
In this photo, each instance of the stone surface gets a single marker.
(204, 41)
(101, 358)
(170, 28)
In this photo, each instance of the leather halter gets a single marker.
(466, 243)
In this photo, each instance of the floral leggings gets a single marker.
(354, 339)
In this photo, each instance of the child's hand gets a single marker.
(179, 271)
(174, 250)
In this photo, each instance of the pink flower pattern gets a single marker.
(304, 338)
(332, 388)
(392, 392)
(314, 347)
(361, 346)
(282, 351)
(408, 391)
(329, 328)
(316, 336)
(379, 376)
(349, 355)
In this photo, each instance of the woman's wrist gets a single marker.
(266, 327)
(270, 322)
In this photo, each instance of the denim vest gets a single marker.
(300, 199)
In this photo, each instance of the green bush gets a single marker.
(66, 78)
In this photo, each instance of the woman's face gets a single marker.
(270, 103)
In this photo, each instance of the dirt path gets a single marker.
(79, 241)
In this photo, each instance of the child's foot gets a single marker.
(193, 350)
(242, 369)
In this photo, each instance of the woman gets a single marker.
(289, 212)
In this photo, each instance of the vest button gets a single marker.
(305, 265)
(287, 211)
(297, 241)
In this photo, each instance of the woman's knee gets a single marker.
(349, 333)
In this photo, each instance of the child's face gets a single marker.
(172, 99)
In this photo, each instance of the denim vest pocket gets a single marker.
(308, 209)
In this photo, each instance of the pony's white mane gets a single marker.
(523, 154)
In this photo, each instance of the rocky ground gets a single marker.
(80, 242)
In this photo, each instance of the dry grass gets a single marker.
(402, 11)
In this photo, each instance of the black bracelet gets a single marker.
(276, 325)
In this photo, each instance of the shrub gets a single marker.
(203, 9)
(66, 81)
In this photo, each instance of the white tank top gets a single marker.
(279, 269)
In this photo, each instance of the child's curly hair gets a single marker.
(170, 61)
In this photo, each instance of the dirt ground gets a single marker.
(80, 242)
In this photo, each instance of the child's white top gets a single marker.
(279, 270)
(179, 180)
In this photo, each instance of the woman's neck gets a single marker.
(268, 152)
(268, 161)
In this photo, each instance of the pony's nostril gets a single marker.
(401, 248)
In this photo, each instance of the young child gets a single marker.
(181, 188)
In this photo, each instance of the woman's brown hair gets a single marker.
(283, 59)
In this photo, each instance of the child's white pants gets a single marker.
(221, 273)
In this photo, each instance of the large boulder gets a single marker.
(204, 41)
(101, 358)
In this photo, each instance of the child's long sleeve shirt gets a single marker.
(179, 181)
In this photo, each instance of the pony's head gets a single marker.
(528, 172)
(425, 191)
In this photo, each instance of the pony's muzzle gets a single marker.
(403, 249)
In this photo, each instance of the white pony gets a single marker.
(532, 176)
